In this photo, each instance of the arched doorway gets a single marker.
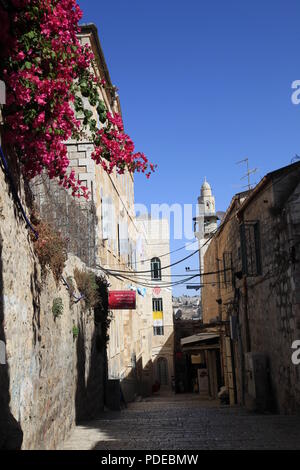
(162, 371)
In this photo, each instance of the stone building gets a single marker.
(116, 232)
(57, 369)
(122, 243)
(254, 299)
(218, 291)
(200, 350)
(53, 372)
(187, 307)
(159, 299)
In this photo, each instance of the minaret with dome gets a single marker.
(206, 205)
(206, 222)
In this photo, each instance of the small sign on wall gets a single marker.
(2, 353)
(122, 300)
(156, 291)
(158, 318)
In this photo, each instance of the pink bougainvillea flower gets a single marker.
(20, 56)
(41, 61)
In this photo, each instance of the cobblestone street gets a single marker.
(183, 422)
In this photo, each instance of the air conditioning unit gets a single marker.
(257, 388)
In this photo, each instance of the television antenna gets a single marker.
(248, 173)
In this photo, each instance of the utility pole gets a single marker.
(248, 173)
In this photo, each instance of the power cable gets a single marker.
(165, 254)
(144, 284)
(150, 270)
(160, 281)
(163, 267)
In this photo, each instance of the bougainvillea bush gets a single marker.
(47, 72)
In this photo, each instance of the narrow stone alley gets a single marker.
(182, 422)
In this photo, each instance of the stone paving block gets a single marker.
(186, 423)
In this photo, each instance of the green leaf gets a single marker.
(85, 92)
(103, 117)
(28, 65)
(31, 34)
(93, 125)
(78, 104)
(93, 101)
(101, 107)
(88, 114)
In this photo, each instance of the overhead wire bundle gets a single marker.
(141, 278)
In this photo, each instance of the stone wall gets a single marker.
(273, 301)
(51, 379)
(264, 303)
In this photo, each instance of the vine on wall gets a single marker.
(50, 248)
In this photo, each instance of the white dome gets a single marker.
(206, 189)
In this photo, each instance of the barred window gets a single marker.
(158, 330)
(157, 305)
(250, 247)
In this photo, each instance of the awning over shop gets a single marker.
(200, 342)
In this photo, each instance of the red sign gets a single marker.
(122, 299)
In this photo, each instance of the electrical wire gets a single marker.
(152, 284)
(144, 284)
(161, 281)
(142, 281)
(184, 246)
(150, 270)
(165, 254)
(163, 267)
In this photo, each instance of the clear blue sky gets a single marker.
(203, 84)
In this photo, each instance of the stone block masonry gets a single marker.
(51, 379)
